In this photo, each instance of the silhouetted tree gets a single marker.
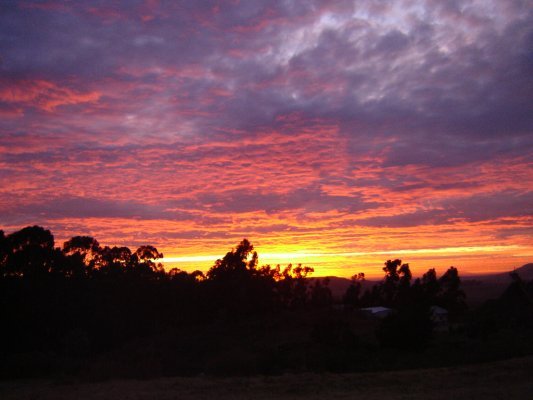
(236, 283)
(235, 263)
(351, 297)
(451, 296)
(83, 253)
(395, 286)
(143, 263)
(299, 275)
(177, 274)
(321, 293)
(284, 284)
(292, 286)
(430, 286)
(113, 261)
(404, 292)
(30, 252)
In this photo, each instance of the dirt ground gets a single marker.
(510, 379)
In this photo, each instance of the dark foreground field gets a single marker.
(510, 379)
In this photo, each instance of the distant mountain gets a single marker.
(480, 288)
(525, 271)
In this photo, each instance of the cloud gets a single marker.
(42, 94)
(480, 207)
(78, 207)
(314, 122)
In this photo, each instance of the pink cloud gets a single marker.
(44, 95)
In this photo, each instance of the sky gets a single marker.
(337, 134)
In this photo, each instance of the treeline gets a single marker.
(410, 324)
(82, 305)
(30, 253)
(399, 290)
(83, 299)
(235, 282)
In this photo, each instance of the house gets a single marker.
(377, 312)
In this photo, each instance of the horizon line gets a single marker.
(281, 256)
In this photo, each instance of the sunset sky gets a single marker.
(338, 134)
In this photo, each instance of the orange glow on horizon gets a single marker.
(336, 264)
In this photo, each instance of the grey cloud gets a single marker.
(306, 199)
(430, 217)
(392, 42)
(79, 207)
(477, 208)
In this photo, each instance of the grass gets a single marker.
(509, 379)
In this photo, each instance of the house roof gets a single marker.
(375, 310)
